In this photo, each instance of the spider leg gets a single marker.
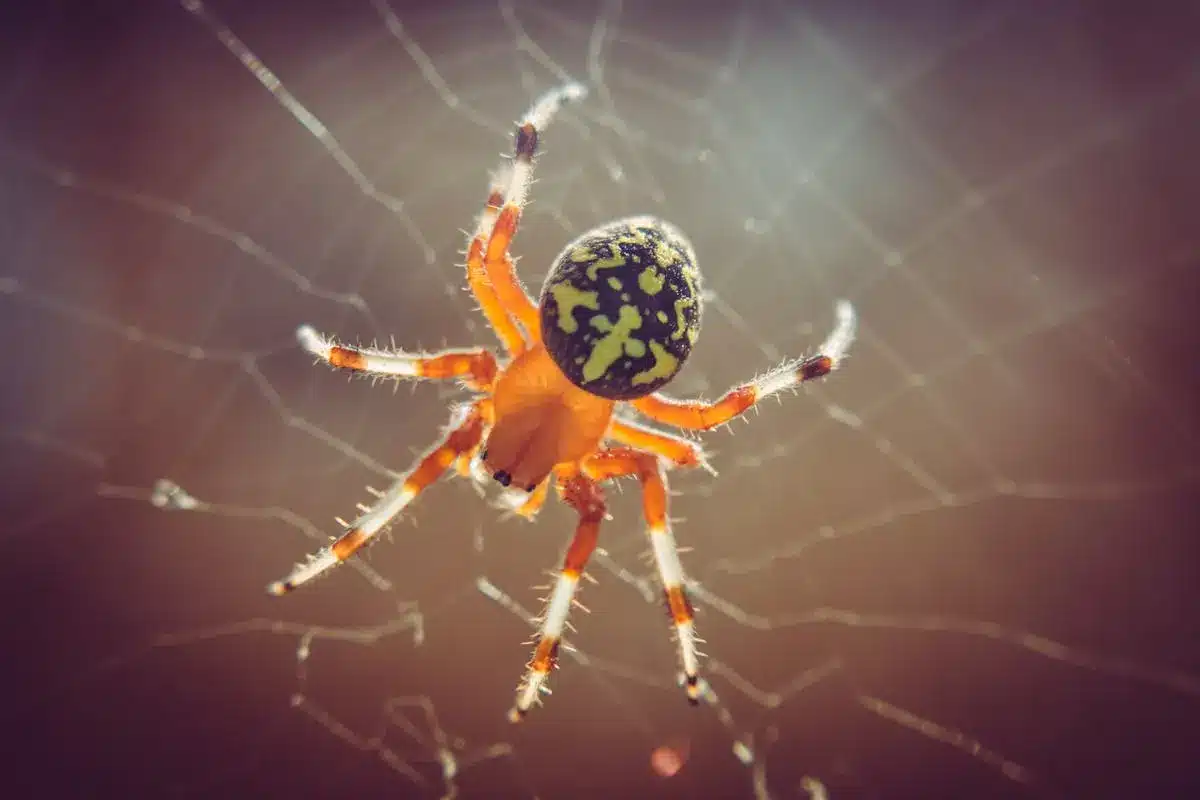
(614, 463)
(675, 449)
(511, 199)
(699, 415)
(475, 366)
(586, 497)
(481, 284)
(462, 434)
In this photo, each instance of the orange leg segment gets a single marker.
(503, 276)
(477, 367)
(698, 415)
(481, 286)
(677, 450)
(509, 191)
(586, 497)
(616, 462)
(460, 439)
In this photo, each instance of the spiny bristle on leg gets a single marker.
(545, 654)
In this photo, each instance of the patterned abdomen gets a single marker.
(620, 309)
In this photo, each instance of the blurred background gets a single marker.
(963, 566)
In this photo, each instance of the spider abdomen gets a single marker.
(620, 309)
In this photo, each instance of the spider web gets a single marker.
(962, 566)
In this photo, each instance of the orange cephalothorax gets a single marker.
(542, 419)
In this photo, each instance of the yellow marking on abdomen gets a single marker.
(650, 281)
(568, 299)
(606, 351)
(665, 365)
(593, 270)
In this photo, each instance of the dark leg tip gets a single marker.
(526, 141)
(503, 477)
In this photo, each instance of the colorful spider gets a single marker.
(618, 316)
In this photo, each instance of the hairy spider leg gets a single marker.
(480, 283)
(476, 367)
(700, 415)
(463, 433)
(678, 451)
(518, 172)
(587, 498)
(616, 462)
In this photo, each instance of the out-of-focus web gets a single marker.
(416, 716)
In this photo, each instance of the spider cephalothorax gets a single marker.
(618, 317)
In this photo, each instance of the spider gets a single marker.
(617, 318)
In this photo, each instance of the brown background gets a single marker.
(1008, 195)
